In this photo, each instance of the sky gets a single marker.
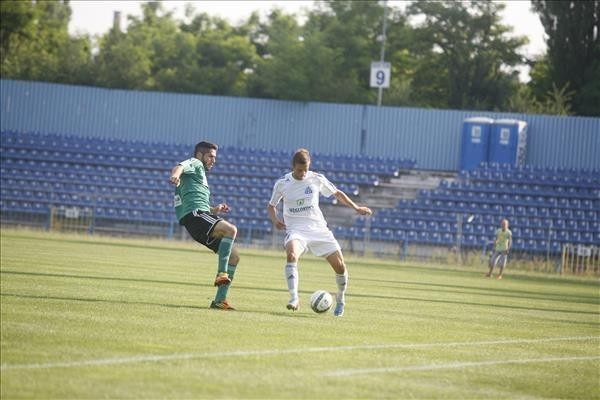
(96, 17)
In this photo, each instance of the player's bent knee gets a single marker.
(233, 230)
(225, 229)
(292, 256)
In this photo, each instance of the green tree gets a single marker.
(554, 102)
(573, 29)
(541, 79)
(134, 59)
(466, 61)
(122, 64)
(280, 72)
(352, 29)
(205, 55)
(17, 24)
(36, 44)
(223, 56)
(326, 59)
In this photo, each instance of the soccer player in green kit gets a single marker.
(193, 210)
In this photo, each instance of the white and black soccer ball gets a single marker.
(321, 301)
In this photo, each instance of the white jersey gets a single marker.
(301, 200)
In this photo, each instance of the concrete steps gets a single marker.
(387, 194)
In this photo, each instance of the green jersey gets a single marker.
(502, 239)
(192, 192)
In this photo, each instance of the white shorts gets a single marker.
(321, 243)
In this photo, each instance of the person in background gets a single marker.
(502, 245)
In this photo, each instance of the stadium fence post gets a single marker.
(170, 230)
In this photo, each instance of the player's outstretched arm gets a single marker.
(176, 174)
(344, 199)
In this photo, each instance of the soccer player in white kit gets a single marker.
(305, 226)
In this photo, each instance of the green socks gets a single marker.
(224, 252)
(223, 289)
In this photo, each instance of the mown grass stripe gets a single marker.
(432, 367)
(276, 352)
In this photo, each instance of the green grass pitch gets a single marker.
(120, 318)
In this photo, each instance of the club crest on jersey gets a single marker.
(308, 190)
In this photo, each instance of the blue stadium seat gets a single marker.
(423, 237)
(447, 238)
(399, 235)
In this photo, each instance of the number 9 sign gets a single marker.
(380, 74)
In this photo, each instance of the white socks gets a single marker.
(291, 276)
(342, 284)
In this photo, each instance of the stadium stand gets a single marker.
(120, 183)
(117, 184)
(547, 207)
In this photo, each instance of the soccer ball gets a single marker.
(321, 301)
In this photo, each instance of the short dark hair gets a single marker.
(203, 147)
(301, 156)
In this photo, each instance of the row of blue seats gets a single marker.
(488, 213)
(387, 217)
(529, 178)
(108, 159)
(352, 159)
(558, 171)
(80, 185)
(478, 228)
(143, 216)
(90, 198)
(319, 163)
(447, 239)
(131, 181)
(123, 206)
(129, 198)
(117, 165)
(52, 189)
(266, 174)
(450, 206)
(88, 145)
(521, 188)
(533, 171)
(150, 152)
(461, 196)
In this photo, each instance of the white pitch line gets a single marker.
(276, 352)
(431, 367)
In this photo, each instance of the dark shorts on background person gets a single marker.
(200, 225)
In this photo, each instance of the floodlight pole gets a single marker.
(382, 58)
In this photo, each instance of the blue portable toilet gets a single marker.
(475, 142)
(508, 142)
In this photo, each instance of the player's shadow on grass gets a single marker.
(105, 278)
(445, 301)
(119, 279)
(487, 291)
(466, 303)
(107, 301)
(144, 303)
